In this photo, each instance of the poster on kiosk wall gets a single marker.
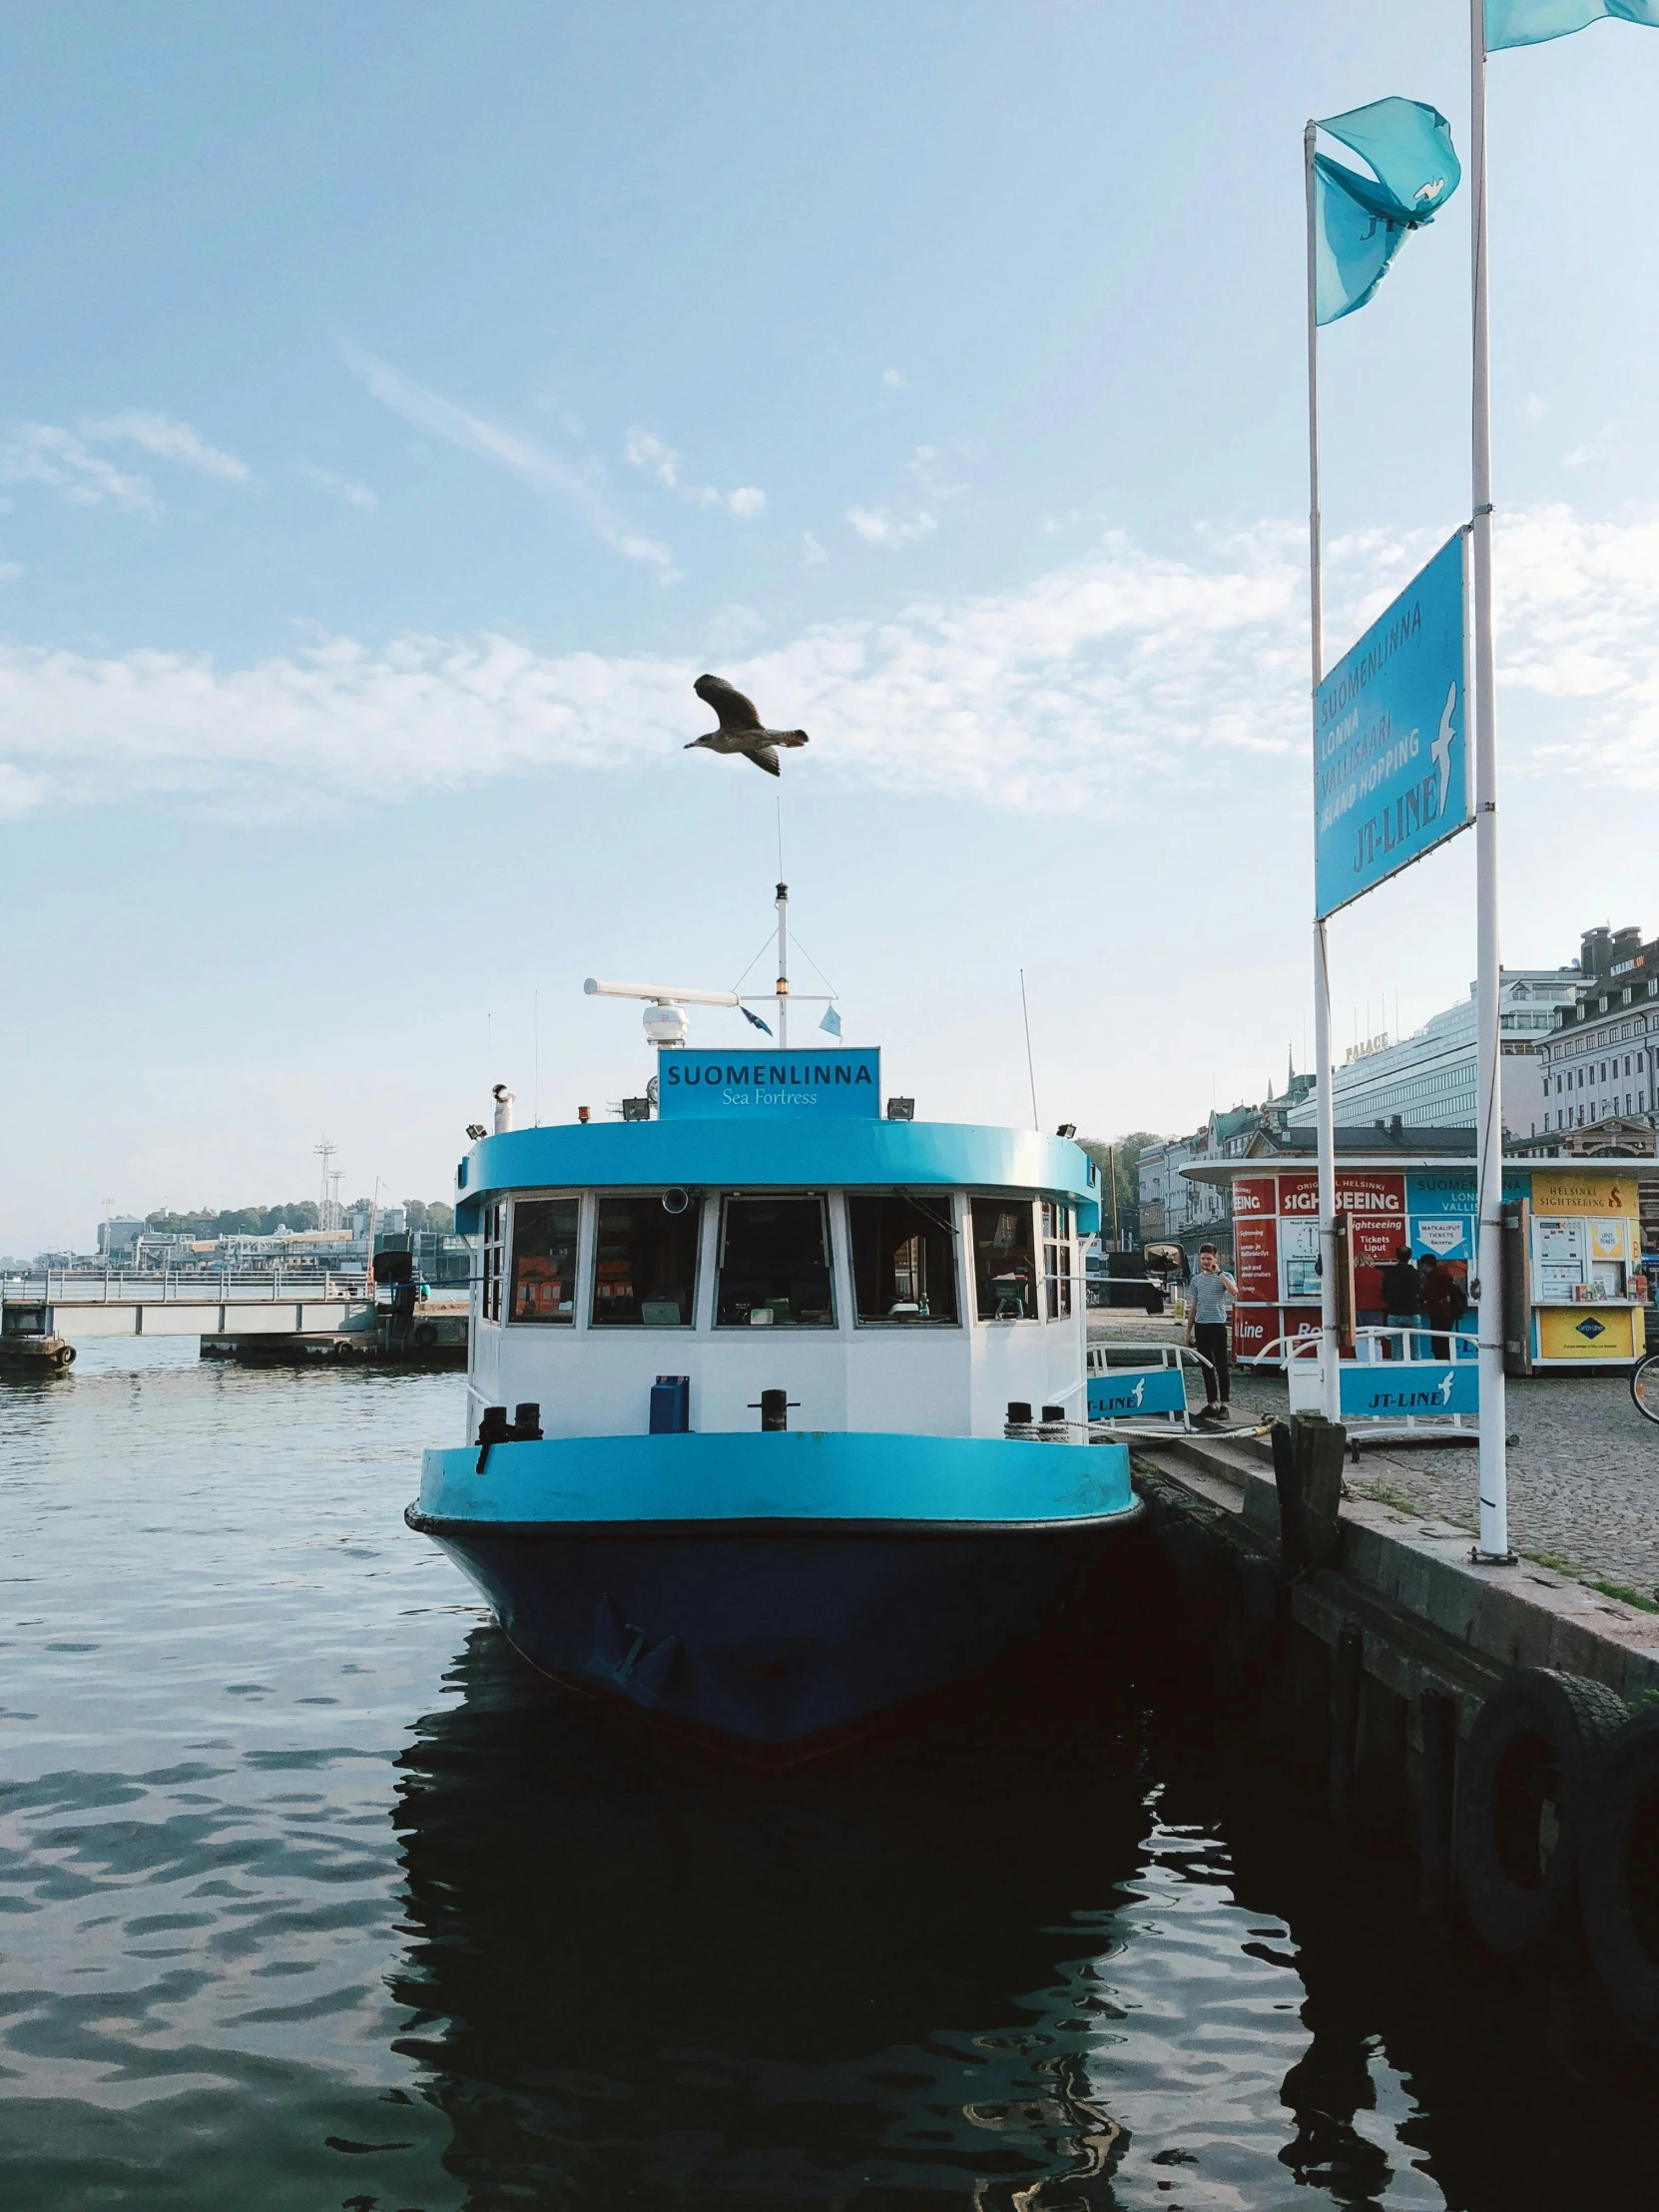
(1256, 1259)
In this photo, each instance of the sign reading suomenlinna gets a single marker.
(707, 1086)
(1392, 764)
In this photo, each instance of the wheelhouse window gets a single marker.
(1056, 1227)
(489, 1293)
(1004, 1264)
(903, 1259)
(544, 1259)
(774, 1265)
(645, 1260)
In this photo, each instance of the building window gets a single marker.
(903, 1259)
(1056, 1227)
(544, 1260)
(645, 1261)
(1004, 1264)
(774, 1265)
(489, 1302)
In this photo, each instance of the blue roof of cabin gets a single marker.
(780, 1154)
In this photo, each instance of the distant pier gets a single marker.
(268, 1316)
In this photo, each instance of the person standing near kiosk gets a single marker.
(1213, 1293)
(1401, 1300)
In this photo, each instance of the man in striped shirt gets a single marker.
(1213, 1293)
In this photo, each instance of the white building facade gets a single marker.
(1602, 1060)
(1430, 1079)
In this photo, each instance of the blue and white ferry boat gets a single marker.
(777, 1402)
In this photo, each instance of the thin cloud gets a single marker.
(880, 527)
(644, 449)
(920, 466)
(1119, 685)
(534, 464)
(170, 440)
(45, 453)
(345, 488)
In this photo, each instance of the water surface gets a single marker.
(311, 1897)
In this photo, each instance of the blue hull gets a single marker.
(778, 1642)
(784, 1624)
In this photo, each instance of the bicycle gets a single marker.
(1644, 1387)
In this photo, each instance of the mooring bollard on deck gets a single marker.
(1308, 1475)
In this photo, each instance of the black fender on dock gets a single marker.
(1619, 1876)
(1528, 1769)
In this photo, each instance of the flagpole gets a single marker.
(1325, 1112)
(782, 963)
(1494, 1474)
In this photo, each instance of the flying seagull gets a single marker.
(741, 728)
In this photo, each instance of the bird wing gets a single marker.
(764, 757)
(731, 708)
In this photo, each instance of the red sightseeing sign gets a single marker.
(1299, 1196)
(1365, 1195)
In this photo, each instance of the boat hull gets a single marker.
(777, 1634)
(781, 1643)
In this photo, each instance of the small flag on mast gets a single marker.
(1360, 223)
(1531, 22)
(756, 1019)
(832, 1022)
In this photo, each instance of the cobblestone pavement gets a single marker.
(1583, 1476)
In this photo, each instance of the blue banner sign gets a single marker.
(1394, 768)
(1444, 1190)
(1392, 1389)
(766, 1086)
(1127, 1393)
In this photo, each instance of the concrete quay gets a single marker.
(1443, 1621)
(1397, 1605)
(1583, 1476)
(1583, 1464)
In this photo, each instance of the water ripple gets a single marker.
(310, 1897)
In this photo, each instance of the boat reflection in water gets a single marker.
(642, 1979)
(1038, 1960)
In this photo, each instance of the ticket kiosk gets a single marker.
(1579, 1248)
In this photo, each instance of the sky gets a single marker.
(401, 404)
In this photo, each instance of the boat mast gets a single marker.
(782, 964)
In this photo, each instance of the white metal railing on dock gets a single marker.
(118, 1287)
(1415, 1382)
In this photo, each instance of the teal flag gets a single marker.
(1531, 22)
(1360, 223)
